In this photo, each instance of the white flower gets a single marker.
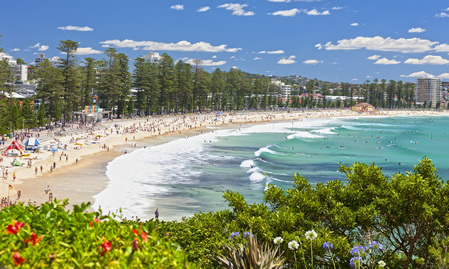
(311, 235)
(382, 264)
(278, 240)
(293, 245)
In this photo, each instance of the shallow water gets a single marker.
(189, 175)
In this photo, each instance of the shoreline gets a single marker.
(81, 181)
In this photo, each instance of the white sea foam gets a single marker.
(325, 131)
(144, 173)
(247, 164)
(266, 149)
(303, 135)
(256, 177)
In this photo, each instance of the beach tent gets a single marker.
(31, 143)
(15, 149)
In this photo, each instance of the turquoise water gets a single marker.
(189, 175)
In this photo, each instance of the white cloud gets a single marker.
(442, 48)
(354, 24)
(354, 79)
(337, 8)
(203, 9)
(444, 76)
(319, 46)
(257, 58)
(374, 57)
(214, 57)
(87, 51)
(289, 60)
(429, 59)
(312, 61)
(235, 67)
(416, 30)
(442, 15)
(411, 45)
(75, 28)
(315, 12)
(55, 59)
(286, 13)
(386, 61)
(43, 48)
(420, 74)
(40, 47)
(237, 9)
(271, 52)
(280, 1)
(180, 46)
(15, 49)
(177, 7)
(205, 62)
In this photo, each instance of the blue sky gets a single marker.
(337, 40)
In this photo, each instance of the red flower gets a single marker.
(14, 229)
(96, 221)
(17, 259)
(107, 246)
(135, 232)
(33, 239)
(144, 236)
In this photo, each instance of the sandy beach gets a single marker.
(76, 170)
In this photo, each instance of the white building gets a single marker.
(20, 71)
(152, 57)
(286, 90)
(8, 58)
(428, 90)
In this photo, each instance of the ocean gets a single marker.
(189, 175)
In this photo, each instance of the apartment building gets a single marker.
(428, 91)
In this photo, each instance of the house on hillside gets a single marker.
(363, 107)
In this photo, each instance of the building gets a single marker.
(39, 60)
(363, 107)
(428, 91)
(152, 57)
(20, 71)
(8, 58)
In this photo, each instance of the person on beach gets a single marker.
(35, 170)
(14, 176)
(41, 168)
(156, 213)
(47, 189)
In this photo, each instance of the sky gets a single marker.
(335, 40)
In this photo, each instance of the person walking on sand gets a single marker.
(35, 170)
(14, 176)
(156, 213)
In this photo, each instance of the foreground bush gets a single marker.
(369, 221)
(49, 236)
